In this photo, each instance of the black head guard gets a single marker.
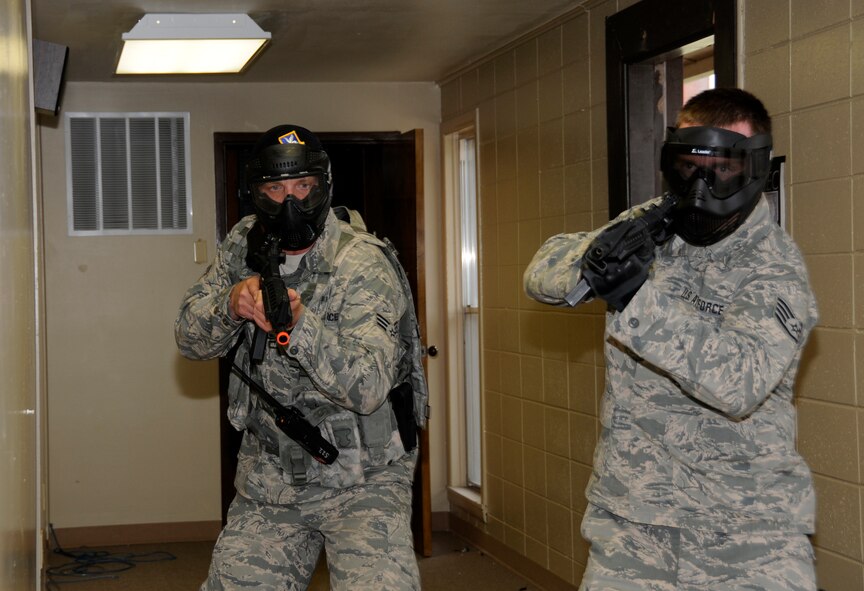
(290, 152)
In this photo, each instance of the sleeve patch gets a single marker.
(391, 328)
(784, 315)
(382, 322)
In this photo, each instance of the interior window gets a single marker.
(463, 303)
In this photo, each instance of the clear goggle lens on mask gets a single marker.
(724, 171)
(305, 202)
(726, 161)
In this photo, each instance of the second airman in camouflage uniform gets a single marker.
(697, 484)
(337, 369)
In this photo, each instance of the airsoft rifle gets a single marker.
(277, 306)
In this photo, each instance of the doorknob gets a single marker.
(432, 350)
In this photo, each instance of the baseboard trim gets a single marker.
(505, 555)
(138, 533)
(440, 521)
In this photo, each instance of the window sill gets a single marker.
(467, 499)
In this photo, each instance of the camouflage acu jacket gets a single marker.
(338, 367)
(698, 423)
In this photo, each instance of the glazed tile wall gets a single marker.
(542, 171)
(805, 59)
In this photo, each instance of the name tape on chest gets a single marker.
(701, 304)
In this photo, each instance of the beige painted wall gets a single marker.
(19, 512)
(543, 170)
(133, 427)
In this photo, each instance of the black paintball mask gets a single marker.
(290, 152)
(718, 176)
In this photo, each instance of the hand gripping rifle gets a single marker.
(292, 422)
(617, 261)
(277, 306)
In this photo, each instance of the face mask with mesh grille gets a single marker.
(718, 176)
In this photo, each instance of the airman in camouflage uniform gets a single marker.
(697, 484)
(337, 369)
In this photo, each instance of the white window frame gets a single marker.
(461, 491)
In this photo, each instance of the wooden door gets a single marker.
(379, 174)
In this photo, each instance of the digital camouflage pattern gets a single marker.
(337, 369)
(691, 560)
(367, 530)
(698, 424)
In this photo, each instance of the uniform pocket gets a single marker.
(239, 398)
(341, 430)
(728, 464)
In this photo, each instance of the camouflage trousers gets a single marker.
(626, 556)
(365, 530)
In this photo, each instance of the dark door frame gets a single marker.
(645, 30)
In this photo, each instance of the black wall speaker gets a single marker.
(49, 65)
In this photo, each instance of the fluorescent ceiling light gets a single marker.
(191, 44)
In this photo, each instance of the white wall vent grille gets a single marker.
(128, 173)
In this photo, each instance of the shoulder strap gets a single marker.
(410, 368)
(351, 217)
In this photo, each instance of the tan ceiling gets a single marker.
(313, 40)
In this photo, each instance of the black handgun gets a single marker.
(277, 306)
(617, 256)
(292, 422)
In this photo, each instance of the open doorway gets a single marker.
(379, 174)
(658, 53)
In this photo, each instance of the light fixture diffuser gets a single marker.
(191, 44)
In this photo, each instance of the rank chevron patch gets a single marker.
(784, 315)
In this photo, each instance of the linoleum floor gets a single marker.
(455, 565)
